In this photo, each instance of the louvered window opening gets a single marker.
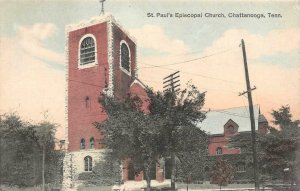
(87, 51)
(125, 57)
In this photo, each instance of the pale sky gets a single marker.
(205, 50)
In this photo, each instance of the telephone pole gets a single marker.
(252, 120)
(171, 82)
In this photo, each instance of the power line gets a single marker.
(191, 60)
(200, 75)
(86, 83)
(229, 113)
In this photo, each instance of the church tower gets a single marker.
(100, 58)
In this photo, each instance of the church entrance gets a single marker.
(168, 169)
(153, 171)
(131, 171)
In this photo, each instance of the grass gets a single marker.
(14, 188)
(94, 188)
(108, 188)
(213, 186)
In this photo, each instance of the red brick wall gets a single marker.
(160, 175)
(221, 140)
(83, 83)
(137, 90)
(216, 141)
(122, 80)
(125, 176)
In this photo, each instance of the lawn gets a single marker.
(108, 188)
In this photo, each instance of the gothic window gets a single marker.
(88, 164)
(82, 144)
(219, 151)
(92, 143)
(125, 58)
(87, 51)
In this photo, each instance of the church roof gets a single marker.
(215, 120)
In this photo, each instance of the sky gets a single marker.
(206, 51)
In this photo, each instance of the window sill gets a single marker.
(89, 65)
(125, 71)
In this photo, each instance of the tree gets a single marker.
(129, 134)
(22, 159)
(44, 136)
(167, 131)
(179, 112)
(191, 162)
(278, 150)
(222, 173)
(282, 146)
(283, 118)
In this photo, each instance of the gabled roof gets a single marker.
(138, 81)
(215, 120)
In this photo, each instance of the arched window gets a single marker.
(125, 57)
(82, 144)
(92, 143)
(88, 163)
(230, 129)
(87, 50)
(219, 151)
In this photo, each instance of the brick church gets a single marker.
(100, 58)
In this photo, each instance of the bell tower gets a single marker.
(100, 58)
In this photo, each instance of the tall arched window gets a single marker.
(92, 143)
(88, 163)
(219, 151)
(125, 57)
(87, 50)
(82, 144)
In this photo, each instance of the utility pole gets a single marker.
(171, 83)
(252, 120)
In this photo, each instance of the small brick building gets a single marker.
(221, 125)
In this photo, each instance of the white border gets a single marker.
(123, 69)
(96, 59)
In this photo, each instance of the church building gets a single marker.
(221, 126)
(100, 59)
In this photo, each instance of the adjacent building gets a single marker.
(221, 126)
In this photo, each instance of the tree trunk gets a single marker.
(148, 178)
(43, 169)
(187, 184)
(173, 172)
(148, 184)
